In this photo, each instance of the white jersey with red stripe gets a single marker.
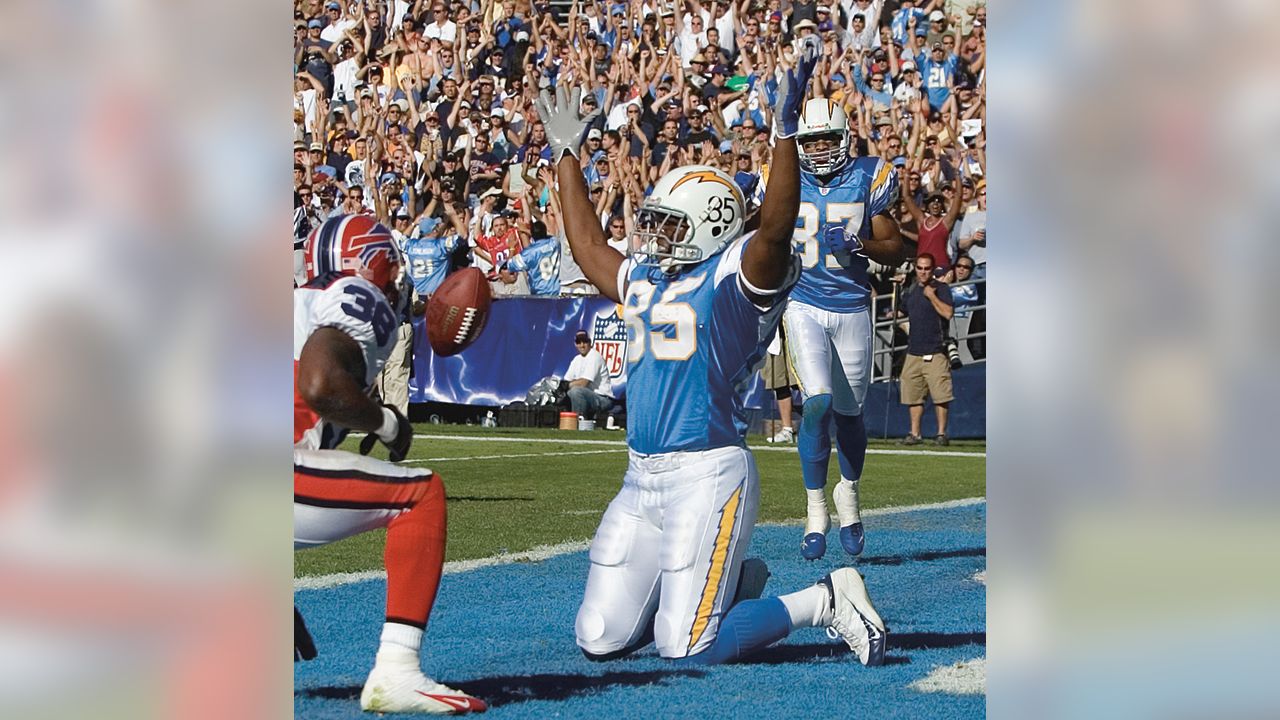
(356, 307)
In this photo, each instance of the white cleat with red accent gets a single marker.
(396, 685)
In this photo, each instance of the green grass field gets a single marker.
(520, 488)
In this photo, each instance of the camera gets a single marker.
(953, 354)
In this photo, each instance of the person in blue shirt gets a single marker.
(844, 222)
(900, 25)
(938, 70)
(876, 89)
(541, 260)
(700, 301)
(428, 255)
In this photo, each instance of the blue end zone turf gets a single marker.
(505, 634)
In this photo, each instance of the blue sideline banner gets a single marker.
(525, 340)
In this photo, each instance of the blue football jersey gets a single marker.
(429, 261)
(542, 261)
(837, 281)
(693, 342)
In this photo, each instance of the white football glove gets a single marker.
(562, 120)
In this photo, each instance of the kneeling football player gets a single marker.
(345, 322)
(701, 301)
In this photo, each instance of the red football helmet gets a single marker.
(354, 245)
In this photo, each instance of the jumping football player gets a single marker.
(701, 301)
(344, 326)
(844, 220)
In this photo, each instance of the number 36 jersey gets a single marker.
(864, 188)
(356, 307)
(693, 342)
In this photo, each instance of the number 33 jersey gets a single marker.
(359, 309)
(693, 342)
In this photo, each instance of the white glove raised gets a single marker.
(562, 120)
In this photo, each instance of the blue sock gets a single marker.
(814, 442)
(749, 626)
(851, 445)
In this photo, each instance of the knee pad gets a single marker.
(816, 413)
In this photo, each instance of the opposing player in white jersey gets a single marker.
(844, 220)
(344, 326)
(700, 301)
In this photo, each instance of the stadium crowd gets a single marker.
(422, 114)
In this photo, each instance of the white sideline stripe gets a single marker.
(966, 677)
(623, 445)
(981, 577)
(895, 510)
(537, 554)
(546, 552)
(516, 455)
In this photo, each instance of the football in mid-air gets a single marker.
(457, 311)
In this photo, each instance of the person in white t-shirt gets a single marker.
(589, 390)
(441, 27)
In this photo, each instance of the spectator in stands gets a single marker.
(540, 262)
(934, 223)
(970, 300)
(926, 372)
(590, 393)
(973, 232)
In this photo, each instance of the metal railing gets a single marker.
(888, 342)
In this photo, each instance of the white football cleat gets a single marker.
(854, 618)
(396, 685)
(845, 498)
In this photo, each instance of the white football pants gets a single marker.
(830, 353)
(672, 541)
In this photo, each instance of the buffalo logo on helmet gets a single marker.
(353, 245)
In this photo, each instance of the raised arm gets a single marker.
(766, 261)
(564, 126)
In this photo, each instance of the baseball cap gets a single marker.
(581, 336)
(317, 146)
(402, 213)
(824, 9)
(428, 224)
(701, 108)
(720, 70)
(838, 77)
(594, 134)
(908, 65)
(498, 112)
(521, 36)
(491, 192)
(315, 24)
(775, 16)
(618, 10)
(668, 12)
(937, 46)
(299, 145)
(387, 178)
(936, 15)
(332, 6)
(900, 160)
(825, 26)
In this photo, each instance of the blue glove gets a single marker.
(839, 241)
(791, 88)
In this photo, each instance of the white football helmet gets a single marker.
(692, 213)
(823, 118)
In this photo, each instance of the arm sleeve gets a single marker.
(884, 189)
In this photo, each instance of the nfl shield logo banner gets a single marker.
(610, 335)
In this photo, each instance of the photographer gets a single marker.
(927, 371)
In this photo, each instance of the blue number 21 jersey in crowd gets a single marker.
(837, 280)
(693, 340)
(429, 261)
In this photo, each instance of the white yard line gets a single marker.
(622, 445)
(546, 552)
(517, 455)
